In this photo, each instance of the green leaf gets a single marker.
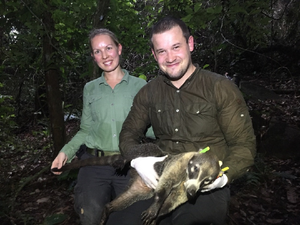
(143, 76)
(187, 18)
(55, 219)
(197, 6)
(205, 66)
(215, 10)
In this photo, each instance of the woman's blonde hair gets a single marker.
(104, 31)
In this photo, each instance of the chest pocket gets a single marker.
(95, 104)
(200, 119)
(161, 118)
(104, 106)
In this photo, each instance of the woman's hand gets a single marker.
(59, 161)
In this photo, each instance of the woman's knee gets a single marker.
(89, 204)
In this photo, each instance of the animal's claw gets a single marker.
(104, 216)
(148, 217)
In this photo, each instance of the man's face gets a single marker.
(173, 53)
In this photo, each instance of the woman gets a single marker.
(106, 103)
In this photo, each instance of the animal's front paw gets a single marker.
(104, 216)
(148, 217)
(102, 222)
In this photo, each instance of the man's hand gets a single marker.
(218, 183)
(59, 161)
(145, 168)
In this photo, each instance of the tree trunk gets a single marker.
(52, 85)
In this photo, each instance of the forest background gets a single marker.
(45, 62)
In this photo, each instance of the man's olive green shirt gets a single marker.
(104, 111)
(207, 110)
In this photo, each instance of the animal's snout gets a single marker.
(191, 187)
(191, 192)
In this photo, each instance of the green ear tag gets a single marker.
(204, 150)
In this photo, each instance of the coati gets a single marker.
(181, 176)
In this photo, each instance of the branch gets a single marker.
(241, 48)
(27, 181)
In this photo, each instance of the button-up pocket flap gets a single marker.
(94, 98)
(200, 109)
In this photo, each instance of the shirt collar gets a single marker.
(167, 81)
(124, 79)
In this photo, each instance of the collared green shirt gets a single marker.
(103, 114)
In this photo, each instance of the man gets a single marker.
(190, 108)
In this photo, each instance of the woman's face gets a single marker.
(105, 52)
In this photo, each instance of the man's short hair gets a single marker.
(167, 23)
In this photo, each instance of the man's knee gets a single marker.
(209, 208)
(131, 215)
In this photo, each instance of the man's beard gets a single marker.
(179, 75)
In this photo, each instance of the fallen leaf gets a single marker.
(42, 200)
(291, 195)
(274, 221)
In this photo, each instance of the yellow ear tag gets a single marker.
(223, 170)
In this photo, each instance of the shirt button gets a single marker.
(178, 91)
(177, 110)
(198, 112)
(159, 110)
(176, 129)
(242, 115)
(177, 142)
(114, 135)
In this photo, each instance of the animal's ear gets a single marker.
(220, 163)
